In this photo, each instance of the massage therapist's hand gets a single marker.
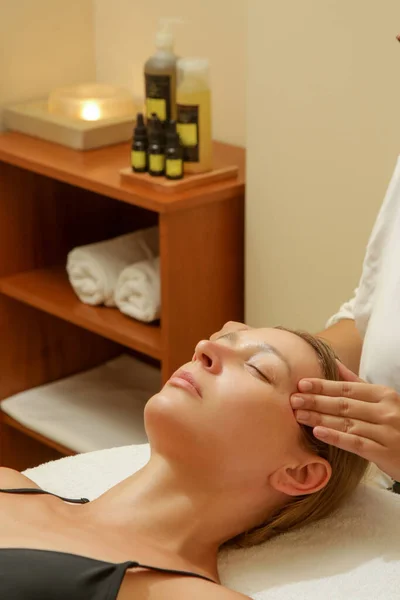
(353, 415)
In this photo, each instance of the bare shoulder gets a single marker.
(224, 593)
(215, 592)
(9, 478)
(153, 586)
(198, 590)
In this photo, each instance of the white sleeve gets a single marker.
(346, 311)
(374, 260)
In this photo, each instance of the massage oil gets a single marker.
(194, 114)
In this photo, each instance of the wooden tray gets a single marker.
(162, 184)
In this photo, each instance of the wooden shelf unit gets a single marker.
(53, 199)
(50, 291)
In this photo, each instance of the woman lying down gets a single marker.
(229, 465)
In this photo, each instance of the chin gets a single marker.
(162, 404)
(171, 425)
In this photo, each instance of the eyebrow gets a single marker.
(233, 337)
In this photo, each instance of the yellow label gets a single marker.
(138, 158)
(158, 106)
(187, 133)
(174, 167)
(156, 163)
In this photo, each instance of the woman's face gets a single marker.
(228, 410)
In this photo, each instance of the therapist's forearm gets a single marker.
(346, 341)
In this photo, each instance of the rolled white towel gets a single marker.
(94, 269)
(138, 290)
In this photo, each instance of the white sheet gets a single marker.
(353, 554)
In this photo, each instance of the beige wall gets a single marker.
(44, 44)
(214, 29)
(323, 118)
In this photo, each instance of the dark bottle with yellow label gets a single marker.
(156, 152)
(139, 146)
(160, 74)
(173, 153)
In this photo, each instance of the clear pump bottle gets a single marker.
(194, 114)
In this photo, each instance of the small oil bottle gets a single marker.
(156, 152)
(139, 146)
(173, 153)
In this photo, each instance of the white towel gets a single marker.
(99, 408)
(138, 290)
(352, 555)
(94, 269)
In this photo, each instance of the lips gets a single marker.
(188, 377)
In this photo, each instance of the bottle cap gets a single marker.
(172, 134)
(193, 69)
(152, 122)
(155, 127)
(171, 127)
(140, 131)
(193, 65)
(164, 36)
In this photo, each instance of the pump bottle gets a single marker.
(160, 74)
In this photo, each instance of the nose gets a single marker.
(210, 355)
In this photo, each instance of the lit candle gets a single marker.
(91, 102)
(90, 110)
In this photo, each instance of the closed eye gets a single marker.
(260, 373)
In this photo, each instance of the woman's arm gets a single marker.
(346, 341)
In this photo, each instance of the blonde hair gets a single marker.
(347, 471)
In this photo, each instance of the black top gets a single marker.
(29, 574)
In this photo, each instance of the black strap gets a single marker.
(128, 565)
(134, 564)
(36, 491)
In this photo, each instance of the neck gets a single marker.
(178, 513)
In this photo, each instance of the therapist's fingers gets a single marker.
(363, 429)
(342, 389)
(368, 449)
(347, 408)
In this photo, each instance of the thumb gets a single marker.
(346, 374)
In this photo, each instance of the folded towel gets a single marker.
(99, 408)
(94, 269)
(138, 290)
(353, 554)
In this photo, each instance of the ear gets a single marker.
(300, 480)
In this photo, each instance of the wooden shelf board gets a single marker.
(99, 171)
(7, 420)
(49, 290)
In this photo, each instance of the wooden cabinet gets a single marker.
(53, 199)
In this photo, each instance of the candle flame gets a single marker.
(90, 111)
